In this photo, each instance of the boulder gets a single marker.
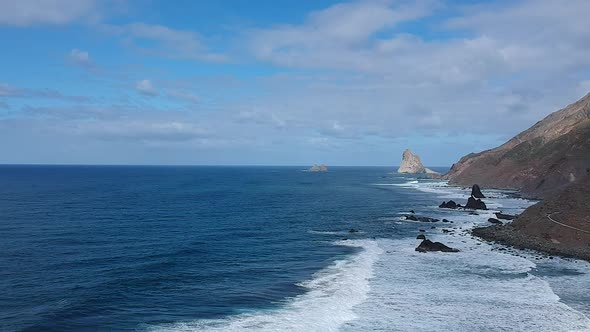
(421, 237)
(352, 230)
(501, 215)
(448, 205)
(428, 219)
(495, 221)
(476, 192)
(475, 204)
(412, 217)
(427, 245)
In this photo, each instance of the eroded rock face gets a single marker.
(476, 192)
(475, 204)
(541, 160)
(411, 163)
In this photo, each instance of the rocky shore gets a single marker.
(558, 225)
(508, 235)
(550, 160)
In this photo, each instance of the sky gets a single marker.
(287, 82)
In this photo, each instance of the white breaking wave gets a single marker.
(326, 306)
(474, 290)
(388, 286)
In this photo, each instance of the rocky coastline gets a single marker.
(549, 161)
(558, 225)
(509, 236)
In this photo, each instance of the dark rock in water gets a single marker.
(421, 237)
(495, 221)
(501, 215)
(476, 192)
(475, 204)
(413, 218)
(427, 219)
(428, 245)
(412, 211)
(352, 230)
(421, 230)
(446, 230)
(448, 205)
(473, 213)
(445, 220)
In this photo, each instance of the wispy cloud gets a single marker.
(183, 96)
(54, 12)
(80, 58)
(145, 87)
(166, 42)
(7, 90)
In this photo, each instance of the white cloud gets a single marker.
(7, 90)
(80, 58)
(520, 59)
(336, 37)
(183, 96)
(169, 42)
(145, 87)
(31, 12)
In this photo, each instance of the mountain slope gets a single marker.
(539, 161)
(560, 224)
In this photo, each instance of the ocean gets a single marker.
(179, 248)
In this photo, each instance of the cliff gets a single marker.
(560, 224)
(412, 164)
(540, 161)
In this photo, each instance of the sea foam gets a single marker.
(328, 303)
(475, 290)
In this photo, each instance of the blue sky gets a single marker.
(281, 82)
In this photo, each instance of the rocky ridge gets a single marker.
(539, 161)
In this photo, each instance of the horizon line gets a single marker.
(199, 165)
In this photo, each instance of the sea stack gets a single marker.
(412, 164)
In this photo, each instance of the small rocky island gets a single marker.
(411, 164)
(318, 168)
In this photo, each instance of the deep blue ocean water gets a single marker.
(113, 247)
(100, 248)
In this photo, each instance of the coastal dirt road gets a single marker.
(549, 216)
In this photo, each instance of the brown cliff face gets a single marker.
(562, 218)
(560, 224)
(539, 161)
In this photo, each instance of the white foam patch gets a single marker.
(326, 306)
(335, 232)
(474, 290)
